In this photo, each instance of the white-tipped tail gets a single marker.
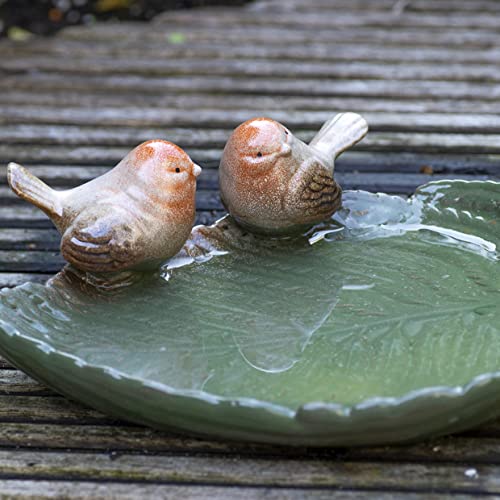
(32, 189)
(340, 133)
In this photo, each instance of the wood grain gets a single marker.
(40, 489)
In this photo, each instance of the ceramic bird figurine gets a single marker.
(272, 183)
(131, 218)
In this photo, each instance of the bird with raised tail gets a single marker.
(272, 183)
(133, 217)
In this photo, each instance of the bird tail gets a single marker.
(32, 189)
(340, 133)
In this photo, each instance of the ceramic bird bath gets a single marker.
(380, 325)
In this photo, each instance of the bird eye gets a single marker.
(259, 154)
(177, 169)
(286, 132)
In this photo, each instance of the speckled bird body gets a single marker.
(131, 218)
(272, 182)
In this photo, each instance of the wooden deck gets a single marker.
(426, 75)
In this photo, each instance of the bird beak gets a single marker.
(196, 170)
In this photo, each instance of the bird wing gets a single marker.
(314, 192)
(102, 244)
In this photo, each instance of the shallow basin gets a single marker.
(380, 326)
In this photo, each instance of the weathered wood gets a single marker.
(17, 489)
(48, 409)
(27, 239)
(263, 472)
(31, 261)
(54, 423)
(208, 127)
(259, 49)
(15, 382)
(400, 70)
(21, 489)
(259, 104)
(256, 86)
(385, 5)
(124, 36)
(431, 21)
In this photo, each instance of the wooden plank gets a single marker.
(38, 409)
(256, 68)
(127, 35)
(56, 436)
(53, 423)
(383, 5)
(42, 421)
(317, 50)
(213, 18)
(53, 410)
(432, 21)
(270, 472)
(256, 86)
(259, 104)
(15, 382)
(82, 39)
(31, 261)
(207, 128)
(27, 239)
(22, 489)
(70, 175)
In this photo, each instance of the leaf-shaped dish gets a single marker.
(381, 326)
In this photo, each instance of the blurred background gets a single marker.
(19, 18)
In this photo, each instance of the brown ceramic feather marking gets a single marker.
(272, 182)
(133, 217)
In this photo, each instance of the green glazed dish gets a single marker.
(382, 326)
